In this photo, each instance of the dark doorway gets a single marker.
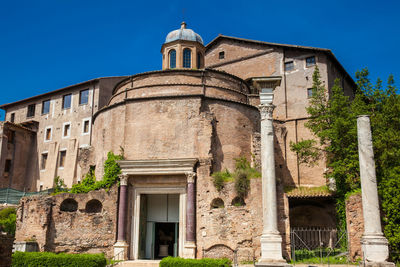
(166, 240)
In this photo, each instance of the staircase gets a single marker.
(139, 263)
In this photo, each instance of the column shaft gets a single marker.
(374, 244)
(270, 217)
(190, 209)
(372, 220)
(271, 241)
(122, 212)
(190, 213)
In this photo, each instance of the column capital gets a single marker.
(190, 176)
(123, 178)
(266, 111)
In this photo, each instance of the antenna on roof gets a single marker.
(183, 14)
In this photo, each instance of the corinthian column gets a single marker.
(271, 240)
(374, 244)
(121, 246)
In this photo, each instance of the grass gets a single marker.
(336, 256)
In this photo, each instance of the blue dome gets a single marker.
(183, 34)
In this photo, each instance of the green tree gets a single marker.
(8, 220)
(333, 120)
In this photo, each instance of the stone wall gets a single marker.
(355, 225)
(6, 245)
(75, 223)
(224, 229)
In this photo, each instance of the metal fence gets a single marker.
(319, 245)
(12, 196)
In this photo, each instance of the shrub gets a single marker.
(7, 220)
(179, 262)
(242, 175)
(219, 178)
(48, 259)
(242, 183)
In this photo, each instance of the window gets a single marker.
(289, 66)
(198, 60)
(66, 101)
(46, 106)
(84, 97)
(172, 59)
(47, 134)
(31, 111)
(12, 119)
(63, 155)
(187, 58)
(309, 92)
(66, 130)
(43, 161)
(10, 136)
(221, 55)
(7, 167)
(310, 61)
(86, 126)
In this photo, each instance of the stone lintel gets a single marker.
(157, 166)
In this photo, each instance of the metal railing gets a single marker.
(319, 245)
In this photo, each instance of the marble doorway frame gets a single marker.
(137, 192)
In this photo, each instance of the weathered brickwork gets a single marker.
(58, 227)
(355, 225)
(6, 245)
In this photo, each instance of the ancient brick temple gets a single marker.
(208, 106)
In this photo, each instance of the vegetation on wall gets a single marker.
(334, 122)
(89, 183)
(241, 176)
(7, 220)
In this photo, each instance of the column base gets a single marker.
(272, 264)
(189, 250)
(121, 251)
(377, 264)
(271, 250)
(375, 248)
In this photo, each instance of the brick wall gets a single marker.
(355, 225)
(6, 244)
(84, 230)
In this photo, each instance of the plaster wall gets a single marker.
(99, 93)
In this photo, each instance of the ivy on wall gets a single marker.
(89, 183)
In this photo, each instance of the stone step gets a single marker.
(139, 263)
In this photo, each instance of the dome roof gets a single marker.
(183, 34)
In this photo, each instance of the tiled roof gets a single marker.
(309, 192)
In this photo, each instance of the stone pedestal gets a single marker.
(121, 251)
(121, 246)
(374, 245)
(271, 240)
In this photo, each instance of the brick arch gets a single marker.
(219, 251)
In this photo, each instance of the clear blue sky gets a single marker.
(46, 45)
